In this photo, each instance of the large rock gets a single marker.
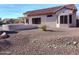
(4, 35)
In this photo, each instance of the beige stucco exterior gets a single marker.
(54, 21)
(67, 12)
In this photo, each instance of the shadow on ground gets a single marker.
(9, 32)
(54, 31)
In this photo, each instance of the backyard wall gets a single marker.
(13, 27)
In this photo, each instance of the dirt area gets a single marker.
(50, 42)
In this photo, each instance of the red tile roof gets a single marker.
(50, 10)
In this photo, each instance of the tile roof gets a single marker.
(50, 10)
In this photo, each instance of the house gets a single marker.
(61, 16)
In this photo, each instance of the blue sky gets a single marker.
(17, 10)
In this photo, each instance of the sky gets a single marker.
(17, 10)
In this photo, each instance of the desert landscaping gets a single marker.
(37, 42)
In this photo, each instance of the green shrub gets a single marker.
(43, 27)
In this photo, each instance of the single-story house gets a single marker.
(61, 16)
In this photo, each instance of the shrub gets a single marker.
(43, 27)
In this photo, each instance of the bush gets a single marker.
(43, 27)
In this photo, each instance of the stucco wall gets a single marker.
(49, 21)
(13, 27)
(74, 20)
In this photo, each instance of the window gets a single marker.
(70, 19)
(63, 19)
(36, 20)
(49, 15)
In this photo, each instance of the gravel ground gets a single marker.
(50, 42)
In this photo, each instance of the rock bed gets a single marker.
(44, 43)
